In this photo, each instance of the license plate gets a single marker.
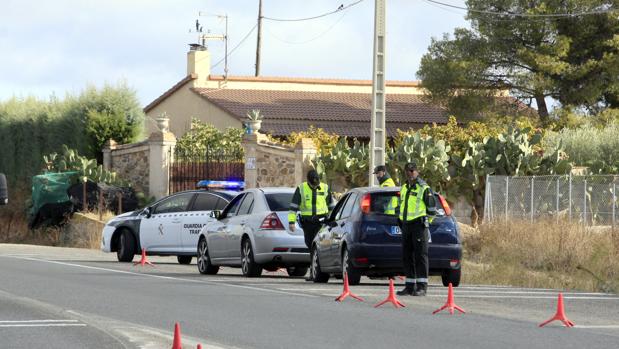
(395, 230)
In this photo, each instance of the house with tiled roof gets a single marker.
(288, 104)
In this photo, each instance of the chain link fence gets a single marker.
(588, 200)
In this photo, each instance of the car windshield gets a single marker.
(279, 201)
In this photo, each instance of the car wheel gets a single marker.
(248, 265)
(315, 273)
(126, 247)
(184, 259)
(297, 271)
(204, 261)
(354, 276)
(451, 276)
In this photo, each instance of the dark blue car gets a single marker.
(359, 238)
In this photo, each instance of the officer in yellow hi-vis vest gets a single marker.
(313, 200)
(385, 180)
(417, 207)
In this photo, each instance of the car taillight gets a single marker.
(271, 222)
(445, 205)
(365, 203)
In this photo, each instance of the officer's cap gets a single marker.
(411, 166)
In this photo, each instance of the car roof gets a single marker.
(274, 190)
(226, 194)
(374, 189)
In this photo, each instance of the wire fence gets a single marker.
(588, 200)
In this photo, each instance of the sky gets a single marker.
(57, 47)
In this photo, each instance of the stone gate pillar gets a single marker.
(161, 145)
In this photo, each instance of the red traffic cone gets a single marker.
(560, 314)
(391, 298)
(176, 344)
(143, 260)
(451, 305)
(347, 292)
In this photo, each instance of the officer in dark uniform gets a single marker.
(313, 200)
(417, 209)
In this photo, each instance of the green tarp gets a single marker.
(51, 188)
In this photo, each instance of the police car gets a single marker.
(170, 226)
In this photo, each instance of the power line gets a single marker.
(526, 15)
(341, 8)
(237, 46)
(308, 40)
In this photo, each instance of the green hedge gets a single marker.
(32, 127)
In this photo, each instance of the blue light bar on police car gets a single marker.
(223, 185)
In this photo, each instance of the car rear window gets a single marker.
(279, 201)
(380, 202)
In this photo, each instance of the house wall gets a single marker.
(269, 164)
(182, 106)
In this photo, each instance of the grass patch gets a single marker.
(547, 254)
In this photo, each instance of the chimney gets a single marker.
(199, 62)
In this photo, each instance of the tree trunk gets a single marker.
(542, 108)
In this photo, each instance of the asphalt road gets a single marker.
(95, 302)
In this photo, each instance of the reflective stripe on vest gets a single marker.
(306, 200)
(416, 206)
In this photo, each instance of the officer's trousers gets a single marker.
(310, 226)
(415, 251)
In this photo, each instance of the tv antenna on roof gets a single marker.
(203, 37)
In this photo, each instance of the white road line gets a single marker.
(168, 277)
(44, 325)
(31, 321)
(596, 326)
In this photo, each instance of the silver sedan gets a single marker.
(252, 233)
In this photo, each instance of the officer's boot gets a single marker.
(408, 290)
(421, 289)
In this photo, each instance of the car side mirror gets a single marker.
(4, 191)
(147, 212)
(331, 224)
(216, 214)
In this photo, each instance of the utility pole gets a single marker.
(258, 44)
(377, 137)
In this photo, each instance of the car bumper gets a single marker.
(280, 247)
(106, 240)
(388, 257)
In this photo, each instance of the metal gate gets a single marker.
(188, 168)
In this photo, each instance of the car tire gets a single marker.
(451, 276)
(184, 259)
(249, 267)
(354, 276)
(204, 260)
(315, 273)
(297, 271)
(125, 251)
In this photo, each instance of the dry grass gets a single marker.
(545, 254)
(82, 231)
